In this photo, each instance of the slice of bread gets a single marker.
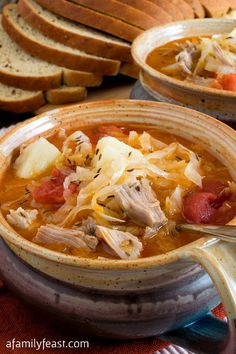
(172, 10)
(73, 34)
(197, 8)
(19, 69)
(184, 7)
(19, 101)
(81, 78)
(119, 10)
(130, 69)
(92, 18)
(215, 8)
(151, 8)
(22, 70)
(232, 4)
(64, 94)
(47, 49)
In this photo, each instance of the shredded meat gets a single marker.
(89, 226)
(124, 244)
(69, 237)
(185, 58)
(139, 202)
(22, 218)
(222, 55)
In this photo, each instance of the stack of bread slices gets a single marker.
(53, 50)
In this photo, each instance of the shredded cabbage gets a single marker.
(216, 54)
(174, 202)
(127, 190)
(115, 163)
(77, 148)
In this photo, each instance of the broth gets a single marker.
(205, 61)
(17, 192)
(163, 56)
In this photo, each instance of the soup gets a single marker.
(114, 191)
(205, 61)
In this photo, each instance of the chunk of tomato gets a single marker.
(224, 213)
(228, 82)
(73, 187)
(51, 191)
(212, 186)
(210, 204)
(197, 207)
(217, 188)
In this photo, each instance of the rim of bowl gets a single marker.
(172, 81)
(105, 264)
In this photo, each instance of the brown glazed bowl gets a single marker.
(220, 103)
(136, 298)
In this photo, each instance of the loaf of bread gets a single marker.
(92, 18)
(73, 34)
(47, 49)
(158, 13)
(22, 70)
(171, 9)
(119, 10)
(51, 51)
(19, 69)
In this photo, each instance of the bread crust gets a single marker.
(31, 83)
(72, 39)
(130, 69)
(184, 7)
(54, 55)
(65, 95)
(150, 8)
(24, 105)
(81, 78)
(232, 4)
(92, 18)
(197, 8)
(119, 10)
(172, 10)
(215, 8)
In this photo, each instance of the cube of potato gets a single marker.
(36, 158)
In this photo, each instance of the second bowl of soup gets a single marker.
(190, 62)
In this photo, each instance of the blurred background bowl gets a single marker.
(218, 103)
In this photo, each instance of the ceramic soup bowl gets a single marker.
(219, 103)
(148, 296)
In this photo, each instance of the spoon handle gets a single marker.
(225, 232)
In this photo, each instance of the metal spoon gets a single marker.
(225, 232)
